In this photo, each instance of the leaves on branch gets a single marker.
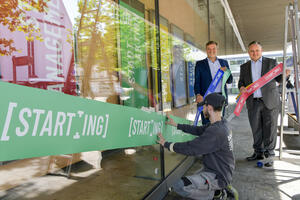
(13, 16)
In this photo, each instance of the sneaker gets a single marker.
(220, 195)
(269, 160)
(232, 193)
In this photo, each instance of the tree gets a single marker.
(13, 16)
(97, 43)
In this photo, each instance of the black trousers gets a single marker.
(263, 122)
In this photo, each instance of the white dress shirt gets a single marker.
(256, 74)
(214, 67)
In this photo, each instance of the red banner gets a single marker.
(256, 85)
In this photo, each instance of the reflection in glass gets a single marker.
(133, 55)
(217, 24)
(35, 45)
(178, 75)
(165, 63)
(97, 51)
(102, 50)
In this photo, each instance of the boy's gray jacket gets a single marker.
(214, 143)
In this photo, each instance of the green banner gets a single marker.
(35, 122)
(133, 56)
(226, 76)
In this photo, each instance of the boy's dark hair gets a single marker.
(211, 42)
(218, 109)
(254, 42)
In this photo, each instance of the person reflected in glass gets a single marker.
(178, 76)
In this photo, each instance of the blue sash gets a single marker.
(210, 89)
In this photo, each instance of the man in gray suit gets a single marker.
(263, 104)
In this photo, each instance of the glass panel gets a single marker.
(36, 50)
(96, 40)
(189, 50)
(96, 49)
(107, 51)
(113, 46)
(166, 60)
(133, 54)
(182, 43)
(178, 71)
(217, 24)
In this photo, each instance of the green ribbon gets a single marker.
(35, 122)
(226, 75)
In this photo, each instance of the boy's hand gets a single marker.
(170, 121)
(161, 139)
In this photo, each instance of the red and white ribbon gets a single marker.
(256, 85)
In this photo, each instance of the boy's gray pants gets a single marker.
(203, 186)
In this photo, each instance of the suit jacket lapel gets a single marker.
(221, 63)
(250, 71)
(264, 66)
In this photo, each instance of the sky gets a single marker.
(72, 9)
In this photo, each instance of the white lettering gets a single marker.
(106, 126)
(11, 106)
(131, 119)
(52, 30)
(56, 44)
(55, 58)
(37, 119)
(70, 116)
(47, 122)
(134, 127)
(84, 125)
(53, 75)
(24, 122)
(91, 126)
(59, 123)
(100, 120)
(141, 132)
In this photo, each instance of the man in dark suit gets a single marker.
(263, 104)
(205, 71)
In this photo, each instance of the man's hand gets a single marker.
(161, 139)
(199, 98)
(170, 121)
(243, 89)
(223, 68)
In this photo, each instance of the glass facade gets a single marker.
(113, 52)
(217, 24)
